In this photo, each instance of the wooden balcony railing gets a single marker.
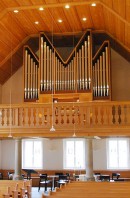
(88, 118)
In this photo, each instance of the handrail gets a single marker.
(80, 114)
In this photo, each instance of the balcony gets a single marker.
(85, 119)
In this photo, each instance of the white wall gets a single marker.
(53, 154)
(99, 154)
(120, 74)
(13, 89)
(7, 154)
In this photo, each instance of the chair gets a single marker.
(97, 173)
(105, 177)
(68, 176)
(58, 173)
(10, 175)
(76, 177)
(57, 179)
(44, 181)
(1, 176)
(97, 176)
(62, 180)
(115, 176)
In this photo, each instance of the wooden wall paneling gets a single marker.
(128, 10)
(120, 30)
(109, 19)
(119, 7)
(127, 36)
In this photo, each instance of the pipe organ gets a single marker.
(31, 66)
(78, 74)
(101, 72)
(72, 75)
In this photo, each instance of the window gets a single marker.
(32, 154)
(118, 153)
(74, 153)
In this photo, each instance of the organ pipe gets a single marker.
(31, 66)
(73, 75)
(78, 66)
(101, 69)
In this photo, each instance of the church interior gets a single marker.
(64, 78)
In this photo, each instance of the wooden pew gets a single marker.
(23, 187)
(93, 190)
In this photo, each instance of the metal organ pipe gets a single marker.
(74, 75)
(101, 72)
(30, 75)
(25, 75)
(41, 64)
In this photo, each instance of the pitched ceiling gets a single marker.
(108, 16)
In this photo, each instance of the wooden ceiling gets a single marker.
(108, 16)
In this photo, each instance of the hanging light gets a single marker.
(10, 109)
(52, 129)
(74, 134)
(10, 94)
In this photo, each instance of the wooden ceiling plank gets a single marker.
(84, 12)
(97, 17)
(128, 10)
(119, 7)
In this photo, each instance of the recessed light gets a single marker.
(67, 6)
(16, 11)
(93, 4)
(60, 20)
(84, 18)
(36, 22)
(41, 8)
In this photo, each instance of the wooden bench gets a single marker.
(11, 186)
(93, 190)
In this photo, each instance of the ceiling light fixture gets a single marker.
(16, 11)
(84, 18)
(41, 8)
(93, 4)
(60, 20)
(67, 6)
(36, 22)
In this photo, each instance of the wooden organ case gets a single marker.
(80, 77)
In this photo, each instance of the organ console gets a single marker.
(78, 74)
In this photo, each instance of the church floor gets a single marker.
(36, 194)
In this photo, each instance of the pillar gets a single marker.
(17, 171)
(89, 160)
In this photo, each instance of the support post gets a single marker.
(17, 172)
(89, 160)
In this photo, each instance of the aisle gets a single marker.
(35, 193)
